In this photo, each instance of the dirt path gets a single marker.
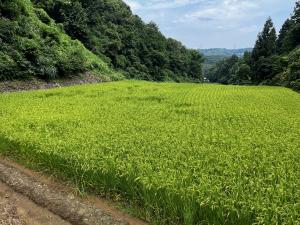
(36, 84)
(16, 209)
(29, 198)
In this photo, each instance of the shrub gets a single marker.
(7, 66)
(296, 85)
(12, 9)
(291, 75)
(42, 15)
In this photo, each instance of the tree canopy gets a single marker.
(110, 30)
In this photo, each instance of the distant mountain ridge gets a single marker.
(214, 55)
(224, 51)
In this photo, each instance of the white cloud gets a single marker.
(250, 29)
(169, 4)
(212, 22)
(134, 5)
(160, 4)
(222, 15)
(224, 10)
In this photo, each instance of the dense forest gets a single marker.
(275, 60)
(55, 38)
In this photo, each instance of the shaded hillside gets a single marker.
(109, 29)
(32, 45)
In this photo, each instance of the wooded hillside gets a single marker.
(35, 43)
(32, 45)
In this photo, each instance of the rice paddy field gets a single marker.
(180, 153)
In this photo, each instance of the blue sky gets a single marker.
(213, 23)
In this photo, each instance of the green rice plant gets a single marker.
(183, 153)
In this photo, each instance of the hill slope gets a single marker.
(32, 45)
(109, 29)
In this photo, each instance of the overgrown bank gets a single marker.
(32, 45)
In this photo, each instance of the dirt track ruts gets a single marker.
(68, 208)
(16, 209)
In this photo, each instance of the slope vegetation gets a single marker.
(32, 45)
(110, 30)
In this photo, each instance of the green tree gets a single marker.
(289, 37)
(283, 35)
(75, 20)
(195, 71)
(296, 14)
(265, 47)
(109, 29)
(222, 71)
(294, 34)
(247, 57)
(240, 74)
(290, 77)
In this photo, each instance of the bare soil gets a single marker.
(35, 84)
(16, 209)
(29, 198)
